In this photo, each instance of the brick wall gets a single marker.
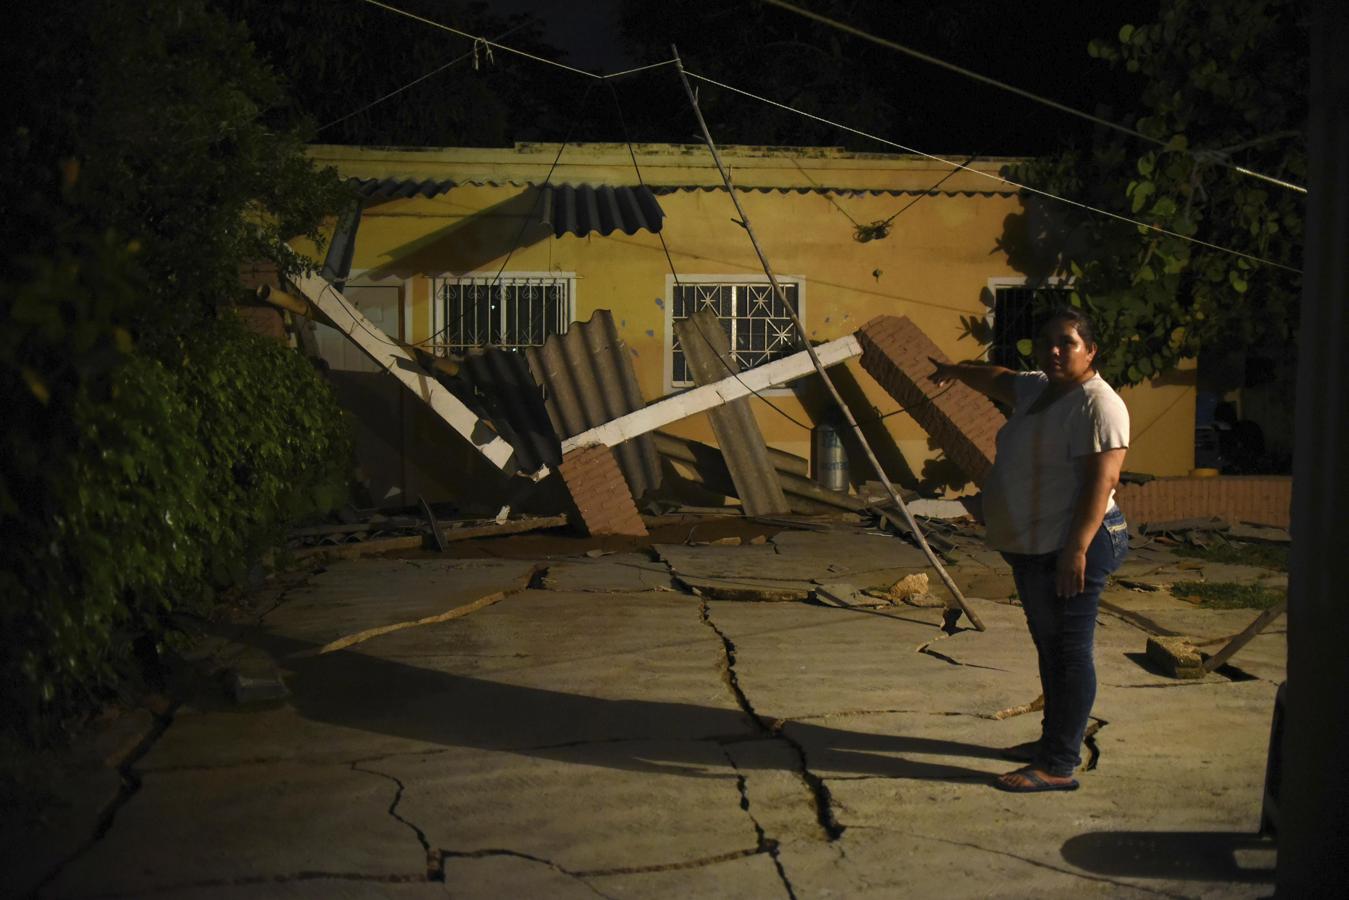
(265, 321)
(600, 492)
(1266, 499)
(963, 422)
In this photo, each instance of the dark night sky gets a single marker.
(587, 30)
(1039, 47)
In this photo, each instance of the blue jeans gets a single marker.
(1063, 632)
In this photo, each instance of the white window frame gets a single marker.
(438, 322)
(799, 281)
(1021, 281)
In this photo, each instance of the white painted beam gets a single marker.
(394, 358)
(710, 396)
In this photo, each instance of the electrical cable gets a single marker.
(703, 78)
(903, 409)
(1202, 156)
(622, 121)
(529, 219)
(992, 177)
(479, 40)
(414, 82)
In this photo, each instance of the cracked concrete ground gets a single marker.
(573, 741)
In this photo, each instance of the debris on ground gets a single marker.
(912, 589)
(378, 534)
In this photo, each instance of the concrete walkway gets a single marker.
(606, 734)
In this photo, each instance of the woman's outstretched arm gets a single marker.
(986, 378)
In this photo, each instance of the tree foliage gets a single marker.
(1218, 85)
(151, 448)
(338, 58)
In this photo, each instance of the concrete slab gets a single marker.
(261, 822)
(1231, 572)
(649, 744)
(849, 548)
(589, 807)
(309, 888)
(775, 574)
(352, 596)
(746, 876)
(615, 572)
(494, 875)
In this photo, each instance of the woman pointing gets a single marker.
(1049, 509)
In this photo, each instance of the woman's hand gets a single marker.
(944, 373)
(1070, 576)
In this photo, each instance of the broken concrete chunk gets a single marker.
(908, 586)
(1178, 657)
(847, 596)
(257, 685)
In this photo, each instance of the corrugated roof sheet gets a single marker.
(399, 188)
(588, 379)
(708, 352)
(582, 208)
(513, 402)
(845, 191)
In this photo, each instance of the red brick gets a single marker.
(600, 493)
(962, 421)
(1266, 499)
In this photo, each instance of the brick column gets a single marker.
(600, 492)
(963, 422)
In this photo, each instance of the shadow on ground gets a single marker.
(382, 696)
(1180, 855)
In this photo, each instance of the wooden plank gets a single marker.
(709, 396)
(395, 359)
(1244, 638)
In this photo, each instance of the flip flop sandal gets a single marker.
(1020, 752)
(1037, 784)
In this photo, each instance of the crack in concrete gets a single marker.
(765, 843)
(131, 785)
(350, 640)
(1089, 740)
(253, 880)
(858, 713)
(672, 867)
(927, 649)
(489, 852)
(433, 862)
(819, 792)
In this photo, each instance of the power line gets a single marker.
(998, 178)
(1020, 92)
(1146, 225)
(479, 40)
(623, 123)
(414, 82)
(527, 220)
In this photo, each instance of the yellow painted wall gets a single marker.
(934, 266)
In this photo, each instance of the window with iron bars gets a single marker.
(513, 312)
(758, 326)
(1015, 322)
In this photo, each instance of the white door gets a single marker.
(380, 303)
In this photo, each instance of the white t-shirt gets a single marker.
(1030, 492)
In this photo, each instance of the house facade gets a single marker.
(465, 247)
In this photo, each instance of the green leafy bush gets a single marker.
(177, 480)
(152, 447)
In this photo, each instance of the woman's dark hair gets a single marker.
(1081, 324)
